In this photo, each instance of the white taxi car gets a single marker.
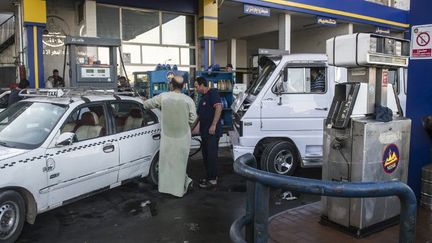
(55, 150)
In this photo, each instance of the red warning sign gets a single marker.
(421, 46)
(423, 39)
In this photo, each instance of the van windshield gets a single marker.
(266, 72)
(26, 125)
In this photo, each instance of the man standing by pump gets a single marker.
(209, 113)
(178, 114)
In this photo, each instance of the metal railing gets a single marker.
(258, 189)
(7, 29)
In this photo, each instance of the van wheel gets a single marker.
(280, 157)
(12, 214)
(153, 176)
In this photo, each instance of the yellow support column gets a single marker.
(34, 15)
(207, 30)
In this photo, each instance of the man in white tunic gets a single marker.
(178, 114)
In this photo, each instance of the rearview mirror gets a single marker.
(285, 74)
(65, 139)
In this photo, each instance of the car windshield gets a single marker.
(26, 125)
(266, 72)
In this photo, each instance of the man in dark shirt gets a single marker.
(317, 80)
(209, 113)
(56, 80)
(14, 95)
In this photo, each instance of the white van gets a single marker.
(280, 117)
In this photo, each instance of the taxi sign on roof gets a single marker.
(421, 42)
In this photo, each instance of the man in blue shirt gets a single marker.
(209, 113)
(318, 80)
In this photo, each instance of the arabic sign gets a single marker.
(390, 158)
(53, 44)
(421, 43)
(326, 21)
(256, 10)
(382, 31)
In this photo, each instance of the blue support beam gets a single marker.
(419, 99)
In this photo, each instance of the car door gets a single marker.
(138, 135)
(90, 163)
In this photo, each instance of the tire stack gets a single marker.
(426, 191)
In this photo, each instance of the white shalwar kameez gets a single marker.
(178, 114)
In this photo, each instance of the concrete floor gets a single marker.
(121, 214)
(288, 226)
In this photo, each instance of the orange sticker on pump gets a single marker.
(390, 158)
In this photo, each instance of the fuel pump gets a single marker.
(366, 137)
(92, 61)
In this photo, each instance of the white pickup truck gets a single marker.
(280, 117)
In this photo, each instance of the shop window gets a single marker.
(187, 56)
(93, 55)
(140, 26)
(160, 54)
(131, 54)
(178, 29)
(103, 55)
(302, 80)
(108, 22)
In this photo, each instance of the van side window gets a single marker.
(306, 80)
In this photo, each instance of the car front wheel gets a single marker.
(12, 212)
(280, 157)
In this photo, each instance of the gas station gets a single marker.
(345, 160)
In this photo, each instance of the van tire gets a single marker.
(280, 157)
(12, 207)
(153, 177)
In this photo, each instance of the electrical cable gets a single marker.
(199, 148)
(337, 145)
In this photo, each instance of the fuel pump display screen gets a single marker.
(90, 72)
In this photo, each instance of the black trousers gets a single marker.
(210, 147)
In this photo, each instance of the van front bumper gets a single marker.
(237, 149)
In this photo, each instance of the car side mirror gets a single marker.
(65, 139)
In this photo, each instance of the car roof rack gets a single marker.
(73, 92)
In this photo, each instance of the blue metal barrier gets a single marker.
(258, 188)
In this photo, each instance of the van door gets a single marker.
(298, 103)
